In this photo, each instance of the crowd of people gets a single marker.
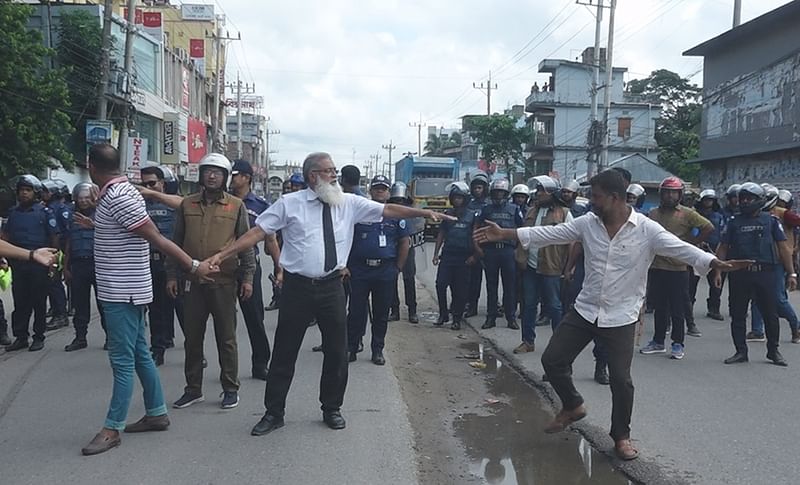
(589, 268)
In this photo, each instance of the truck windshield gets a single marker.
(430, 187)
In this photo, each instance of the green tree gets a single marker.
(678, 130)
(434, 145)
(78, 53)
(500, 140)
(34, 125)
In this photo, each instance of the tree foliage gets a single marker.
(678, 130)
(500, 140)
(437, 144)
(34, 125)
(80, 42)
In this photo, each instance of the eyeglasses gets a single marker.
(150, 184)
(217, 172)
(328, 171)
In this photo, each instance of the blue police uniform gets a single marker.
(81, 267)
(475, 271)
(453, 271)
(30, 228)
(373, 271)
(58, 297)
(163, 309)
(253, 308)
(754, 237)
(499, 260)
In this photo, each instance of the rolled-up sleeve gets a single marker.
(541, 236)
(273, 219)
(664, 243)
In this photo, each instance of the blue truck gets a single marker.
(427, 179)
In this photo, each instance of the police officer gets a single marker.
(253, 307)
(162, 310)
(755, 235)
(56, 190)
(296, 182)
(399, 195)
(569, 197)
(454, 254)
(378, 254)
(479, 190)
(732, 197)
(520, 195)
(31, 226)
(79, 266)
(636, 197)
(709, 208)
(498, 257)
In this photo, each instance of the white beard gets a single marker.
(330, 193)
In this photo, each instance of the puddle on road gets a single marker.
(504, 441)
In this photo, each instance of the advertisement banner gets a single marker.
(197, 52)
(198, 140)
(150, 22)
(136, 157)
(175, 149)
(98, 131)
(185, 100)
(192, 173)
(193, 11)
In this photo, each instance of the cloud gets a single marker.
(353, 74)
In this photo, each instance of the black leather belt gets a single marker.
(374, 263)
(498, 245)
(317, 281)
(761, 267)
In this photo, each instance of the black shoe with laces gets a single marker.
(230, 399)
(76, 344)
(777, 358)
(489, 323)
(267, 424)
(4, 340)
(394, 316)
(37, 344)
(187, 400)
(736, 358)
(443, 318)
(334, 419)
(378, 359)
(18, 344)
(413, 318)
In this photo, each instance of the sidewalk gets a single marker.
(697, 419)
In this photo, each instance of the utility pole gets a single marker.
(248, 89)
(609, 85)
(218, 69)
(267, 134)
(128, 122)
(737, 13)
(488, 88)
(105, 55)
(593, 141)
(389, 148)
(418, 126)
(376, 160)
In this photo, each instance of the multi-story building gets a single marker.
(750, 128)
(560, 117)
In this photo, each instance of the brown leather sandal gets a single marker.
(625, 451)
(564, 418)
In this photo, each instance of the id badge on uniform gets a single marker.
(187, 286)
(382, 240)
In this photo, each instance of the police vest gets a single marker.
(30, 229)
(254, 205)
(377, 241)
(505, 216)
(476, 205)
(751, 238)
(458, 238)
(81, 241)
(163, 217)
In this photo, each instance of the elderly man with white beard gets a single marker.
(317, 225)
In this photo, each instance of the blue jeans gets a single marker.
(537, 287)
(128, 352)
(785, 309)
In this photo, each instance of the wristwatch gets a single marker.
(792, 275)
(195, 265)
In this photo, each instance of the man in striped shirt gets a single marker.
(123, 235)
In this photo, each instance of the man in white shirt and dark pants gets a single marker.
(619, 245)
(317, 225)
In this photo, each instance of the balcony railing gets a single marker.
(540, 97)
(540, 140)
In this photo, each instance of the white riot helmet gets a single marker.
(786, 197)
(216, 160)
(771, 194)
(708, 193)
(572, 186)
(500, 184)
(520, 189)
(636, 190)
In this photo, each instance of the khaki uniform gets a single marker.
(679, 222)
(201, 230)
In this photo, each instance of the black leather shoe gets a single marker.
(317, 348)
(18, 344)
(456, 325)
(394, 316)
(777, 358)
(334, 419)
(4, 340)
(600, 374)
(736, 358)
(267, 424)
(377, 358)
(36, 345)
(443, 318)
(158, 357)
(489, 323)
(352, 356)
(76, 344)
(512, 324)
(260, 373)
(413, 318)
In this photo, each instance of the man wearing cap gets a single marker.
(253, 307)
(379, 253)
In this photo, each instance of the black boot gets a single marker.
(600, 373)
(77, 344)
(489, 323)
(444, 317)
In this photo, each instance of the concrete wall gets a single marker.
(574, 82)
(781, 169)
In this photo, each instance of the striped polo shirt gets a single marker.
(121, 258)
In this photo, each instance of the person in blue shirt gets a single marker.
(498, 257)
(479, 191)
(31, 226)
(53, 197)
(378, 254)
(708, 207)
(79, 266)
(458, 254)
(756, 236)
(399, 195)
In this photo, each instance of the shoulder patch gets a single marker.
(52, 222)
(402, 223)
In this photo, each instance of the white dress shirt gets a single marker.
(616, 269)
(299, 218)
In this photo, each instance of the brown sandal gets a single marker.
(564, 419)
(625, 451)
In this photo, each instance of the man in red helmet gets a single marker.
(668, 276)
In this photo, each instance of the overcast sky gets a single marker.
(347, 74)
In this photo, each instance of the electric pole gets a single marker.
(128, 121)
(218, 69)
(102, 107)
(488, 88)
(418, 126)
(248, 89)
(267, 134)
(376, 160)
(593, 140)
(609, 85)
(389, 148)
(737, 13)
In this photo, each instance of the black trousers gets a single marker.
(3, 321)
(714, 294)
(364, 290)
(301, 301)
(758, 287)
(253, 314)
(670, 292)
(83, 279)
(456, 276)
(475, 281)
(410, 290)
(568, 340)
(29, 289)
(161, 311)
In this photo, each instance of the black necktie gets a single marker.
(330, 240)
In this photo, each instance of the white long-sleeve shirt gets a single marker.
(616, 269)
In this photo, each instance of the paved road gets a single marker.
(52, 403)
(695, 420)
